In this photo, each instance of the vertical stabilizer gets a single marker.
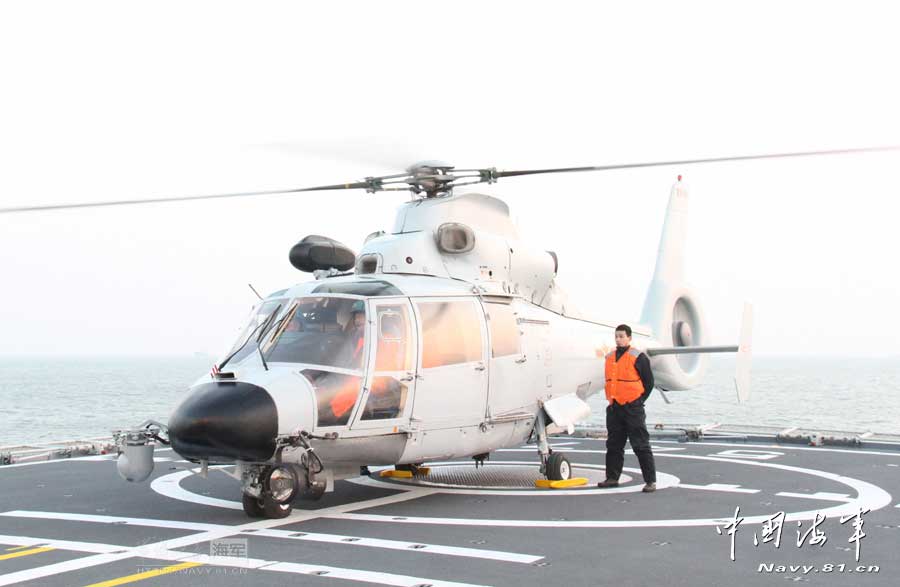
(670, 254)
(671, 310)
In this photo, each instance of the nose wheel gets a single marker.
(272, 494)
(265, 507)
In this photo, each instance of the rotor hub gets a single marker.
(433, 178)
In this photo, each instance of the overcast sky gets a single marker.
(113, 100)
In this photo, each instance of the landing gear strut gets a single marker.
(269, 490)
(554, 465)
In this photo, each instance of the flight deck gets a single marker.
(738, 508)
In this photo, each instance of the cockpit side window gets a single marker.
(393, 360)
(451, 333)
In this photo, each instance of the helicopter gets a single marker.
(446, 338)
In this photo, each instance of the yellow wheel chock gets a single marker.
(397, 474)
(404, 474)
(562, 484)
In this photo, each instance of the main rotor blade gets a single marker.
(342, 186)
(499, 174)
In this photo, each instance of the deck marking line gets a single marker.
(497, 555)
(223, 561)
(145, 575)
(61, 567)
(270, 533)
(823, 495)
(101, 548)
(170, 486)
(17, 547)
(366, 576)
(760, 455)
(786, 446)
(28, 552)
(284, 534)
(869, 496)
(92, 547)
(193, 559)
(324, 571)
(719, 487)
(162, 549)
(92, 518)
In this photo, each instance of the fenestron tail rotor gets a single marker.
(430, 179)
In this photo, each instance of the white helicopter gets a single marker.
(446, 338)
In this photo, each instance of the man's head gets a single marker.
(357, 315)
(623, 335)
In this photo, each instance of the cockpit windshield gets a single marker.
(325, 331)
(257, 318)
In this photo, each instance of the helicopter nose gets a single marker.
(225, 421)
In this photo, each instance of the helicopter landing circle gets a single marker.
(862, 494)
(509, 478)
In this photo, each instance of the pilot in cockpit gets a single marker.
(296, 323)
(356, 330)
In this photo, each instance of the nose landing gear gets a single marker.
(268, 491)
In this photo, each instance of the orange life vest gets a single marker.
(345, 398)
(623, 382)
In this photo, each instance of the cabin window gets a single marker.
(451, 333)
(504, 330)
(394, 349)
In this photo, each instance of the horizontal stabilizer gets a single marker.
(688, 350)
(742, 364)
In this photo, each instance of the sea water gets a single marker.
(45, 399)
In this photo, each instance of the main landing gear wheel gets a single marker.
(558, 467)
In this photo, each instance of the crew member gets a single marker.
(629, 382)
(356, 330)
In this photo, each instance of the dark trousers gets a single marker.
(628, 421)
